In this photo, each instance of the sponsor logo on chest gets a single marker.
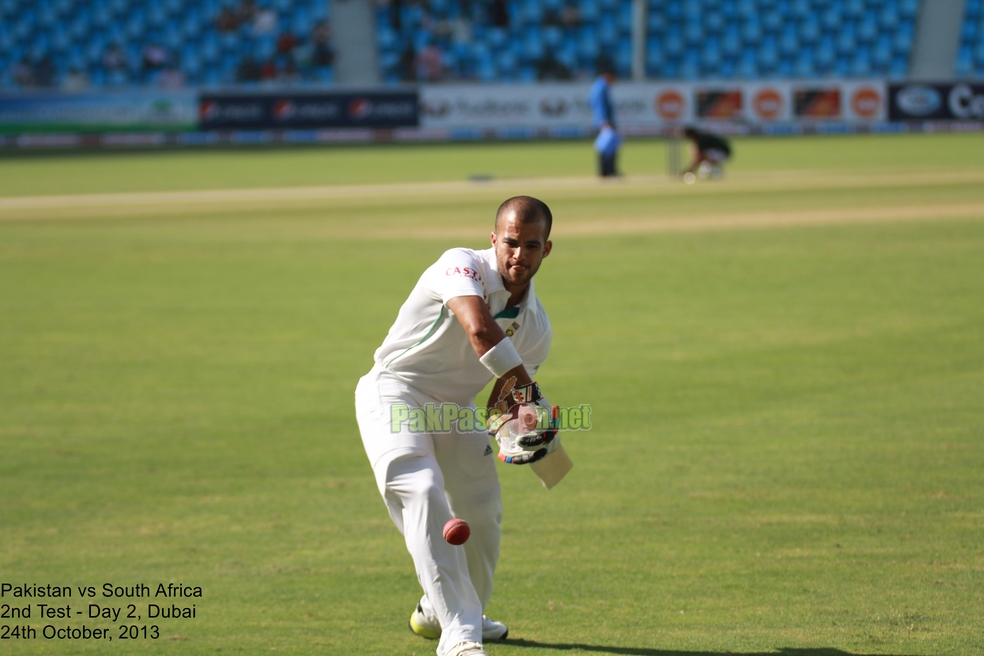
(464, 272)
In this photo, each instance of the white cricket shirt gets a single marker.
(428, 349)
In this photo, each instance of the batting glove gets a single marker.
(526, 431)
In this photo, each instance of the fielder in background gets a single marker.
(603, 116)
(710, 152)
(448, 342)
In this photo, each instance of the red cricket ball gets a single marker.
(456, 531)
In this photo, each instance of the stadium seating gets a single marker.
(685, 39)
(48, 43)
(760, 39)
(105, 42)
(970, 53)
(530, 40)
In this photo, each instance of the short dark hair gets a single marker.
(528, 209)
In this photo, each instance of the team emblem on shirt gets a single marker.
(511, 330)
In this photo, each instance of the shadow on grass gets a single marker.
(640, 651)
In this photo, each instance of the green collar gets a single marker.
(508, 313)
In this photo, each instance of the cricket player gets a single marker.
(603, 118)
(710, 153)
(473, 316)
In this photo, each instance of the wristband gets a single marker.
(527, 393)
(501, 358)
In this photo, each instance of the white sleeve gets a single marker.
(457, 273)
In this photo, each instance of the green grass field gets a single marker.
(786, 373)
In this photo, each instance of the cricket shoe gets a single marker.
(466, 649)
(431, 629)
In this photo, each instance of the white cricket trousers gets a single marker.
(425, 480)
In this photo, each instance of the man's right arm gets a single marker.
(484, 334)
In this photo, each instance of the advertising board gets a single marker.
(53, 112)
(292, 111)
(654, 105)
(918, 101)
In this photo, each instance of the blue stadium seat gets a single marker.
(533, 44)
(832, 17)
(625, 17)
(804, 67)
(846, 41)
(265, 47)
(898, 69)
(789, 42)
(825, 51)
(889, 16)
(589, 10)
(768, 53)
(902, 41)
(75, 58)
(809, 31)
(747, 68)
(95, 49)
(908, 8)
(486, 70)
(567, 56)
(783, 68)
(730, 42)
(607, 30)
(655, 22)
(690, 70)
(156, 16)
(673, 44)
(861, 65)
(710, 55)
(868, 27)
(507, 63)
(190, 62)
(693, 32)
(532, 12)
(211, 77)
(552, 36)
(498, 37)
(654, 53)
(968, 30)
(172, 37)
(587, 45)
(772, 20)
(882, 54)
(117, 78)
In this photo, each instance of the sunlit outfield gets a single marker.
(786, 373)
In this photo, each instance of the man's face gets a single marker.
(519, 249)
